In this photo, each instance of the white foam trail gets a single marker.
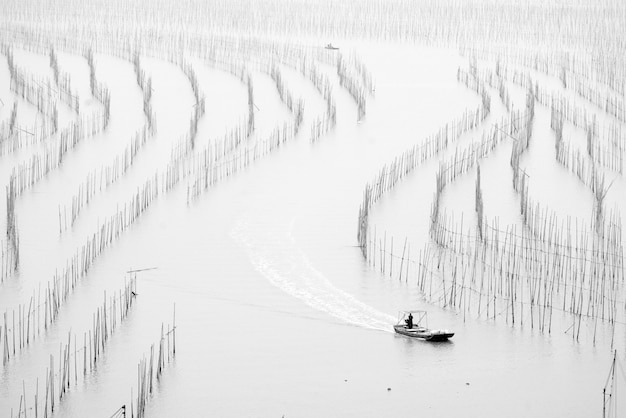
(275, 255)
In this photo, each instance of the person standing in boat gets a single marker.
(409, 321)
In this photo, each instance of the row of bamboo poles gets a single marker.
(324, 123)
(508, 284)
(466, 159)
(519, 275)
(232, 140)
(98, 181)
(184, 156)
(65, 281)
(151, 368)
(83, 360)
(550, 239)
(225, 54)
(27, 173)
(9, 259)
(9, 132)
(403, 165)
(11, 251)
(78, 266)
(98, 90)
(38, 93)
(512, 274)
(577, 163)
(108, 175)
(145, 84)
(605, 145)
(208, 168)
(296, 107)
(225, 157)
(63, 82)
(354, 85)
(569, 68)
(199, 107)
(389, 176)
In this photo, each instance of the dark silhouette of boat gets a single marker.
(330, 46)
(418, 328)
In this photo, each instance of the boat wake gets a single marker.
(275, 255)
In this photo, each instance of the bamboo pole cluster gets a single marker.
(365, 75)
(228, 155)
(575, 272)
(494, 80)
(27, 173)
(98, 90)
(520, 145)
(295, 107)
(74, 363)
(99, 180)
(114, 171)
(605, 145)
(209, 168)
(353, 85)
(390, 174)
(36, 92)
(250, 104)
(322, 124)
(608, 148)
(41, 311)
(14, 138)
(473, 81)
(227, 54)
(479, 206)
(145, 84)
(577, 72)
(607, 100)
(64, 282)
(463, 161)
(199, 107)
(578, 162)
(513, 275)
(63, 82)
(9, 261)
(11, 138)
(150, 369)
(12, 233)
(382, 257)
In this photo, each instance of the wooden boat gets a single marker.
(330, 46)
(415, 324)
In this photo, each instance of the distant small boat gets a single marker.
(330, 46)
(418, 328)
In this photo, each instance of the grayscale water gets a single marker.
(277, 312)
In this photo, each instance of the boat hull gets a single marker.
(423, 333)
